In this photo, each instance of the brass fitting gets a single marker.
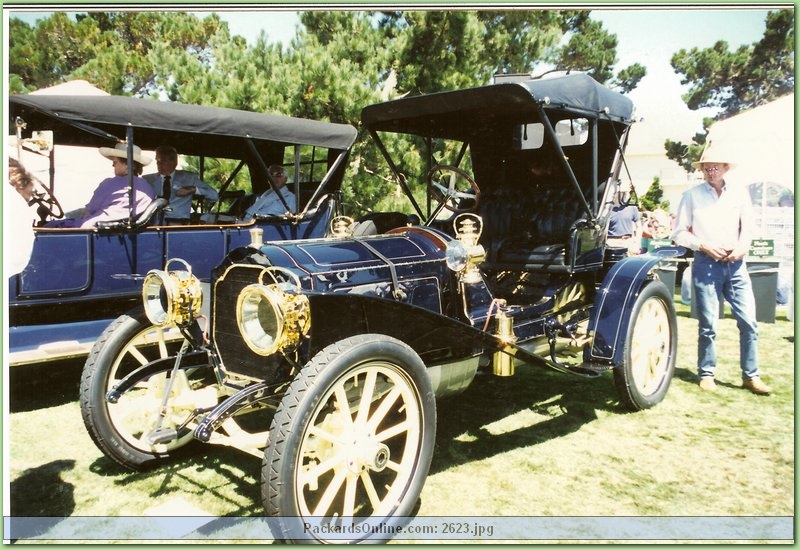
(503, 363)
(256, 237)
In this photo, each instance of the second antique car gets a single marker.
(326, 356)
(78, 280)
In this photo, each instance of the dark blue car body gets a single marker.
(346, 341)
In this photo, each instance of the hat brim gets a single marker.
(699, 164)
(111, 152)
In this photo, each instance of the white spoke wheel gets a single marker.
(351, 441)
(121, 429)
(650, 349)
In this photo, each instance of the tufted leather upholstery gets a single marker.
(529, 228)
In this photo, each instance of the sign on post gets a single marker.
(761, 248)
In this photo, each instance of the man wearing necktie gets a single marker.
(177, 186)
(166, 187)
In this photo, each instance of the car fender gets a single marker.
(614, 302)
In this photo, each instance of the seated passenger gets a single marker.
(111, 199)
(177, 186)
(268, 202)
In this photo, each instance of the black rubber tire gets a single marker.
(309, 403)
(649, 358)
(108, 358)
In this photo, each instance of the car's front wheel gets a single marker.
(351, 442)
(145, 423)
(650, 349)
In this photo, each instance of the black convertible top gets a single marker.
(460, 113)
(73, 118)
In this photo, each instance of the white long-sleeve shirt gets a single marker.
(724, 220)
(269, 203)
(181, 207)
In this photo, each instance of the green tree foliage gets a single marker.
(652, 199)
(113, 50)
(339, 62)
(52, 51)
(734, 81)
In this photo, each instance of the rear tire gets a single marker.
(651, 346)
(350, 443)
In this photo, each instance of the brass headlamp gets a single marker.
(273, 316)
(172, 297)
(465, 253)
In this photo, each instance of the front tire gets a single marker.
(650, 349)
(120, 429)
(350, 443)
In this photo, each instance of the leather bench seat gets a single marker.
(529, 229)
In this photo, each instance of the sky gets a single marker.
(648, 36)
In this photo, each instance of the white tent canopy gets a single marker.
(760, 141)
(73, 87)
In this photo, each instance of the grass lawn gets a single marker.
(537, 444)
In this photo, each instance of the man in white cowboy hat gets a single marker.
(111, 199)
(714, 219)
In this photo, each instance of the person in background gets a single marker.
(268, 202)
(624, 226)
(177, 186)
(111, 199)
(21, 216)
(714, 219)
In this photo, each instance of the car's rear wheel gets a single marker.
(650, 349)
(351, 442)
(141, 426)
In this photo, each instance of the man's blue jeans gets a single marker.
(711, 281)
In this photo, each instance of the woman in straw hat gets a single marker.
(714, 219)
(111, 199)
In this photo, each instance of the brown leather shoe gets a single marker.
(707, 383)
(756, 386)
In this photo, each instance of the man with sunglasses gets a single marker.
(715, 220)
(268, 203)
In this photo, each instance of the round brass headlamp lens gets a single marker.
(260, 318)
(270, 319)
(171, 297)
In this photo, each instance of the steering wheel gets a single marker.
(48, 205)
(453, 188)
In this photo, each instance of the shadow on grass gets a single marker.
(562, 403)
(686, 375)
(40, 486)
(186, 472)
(44, 385)
(40, 493)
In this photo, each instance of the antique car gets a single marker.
(79, 280)
(326, 356)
